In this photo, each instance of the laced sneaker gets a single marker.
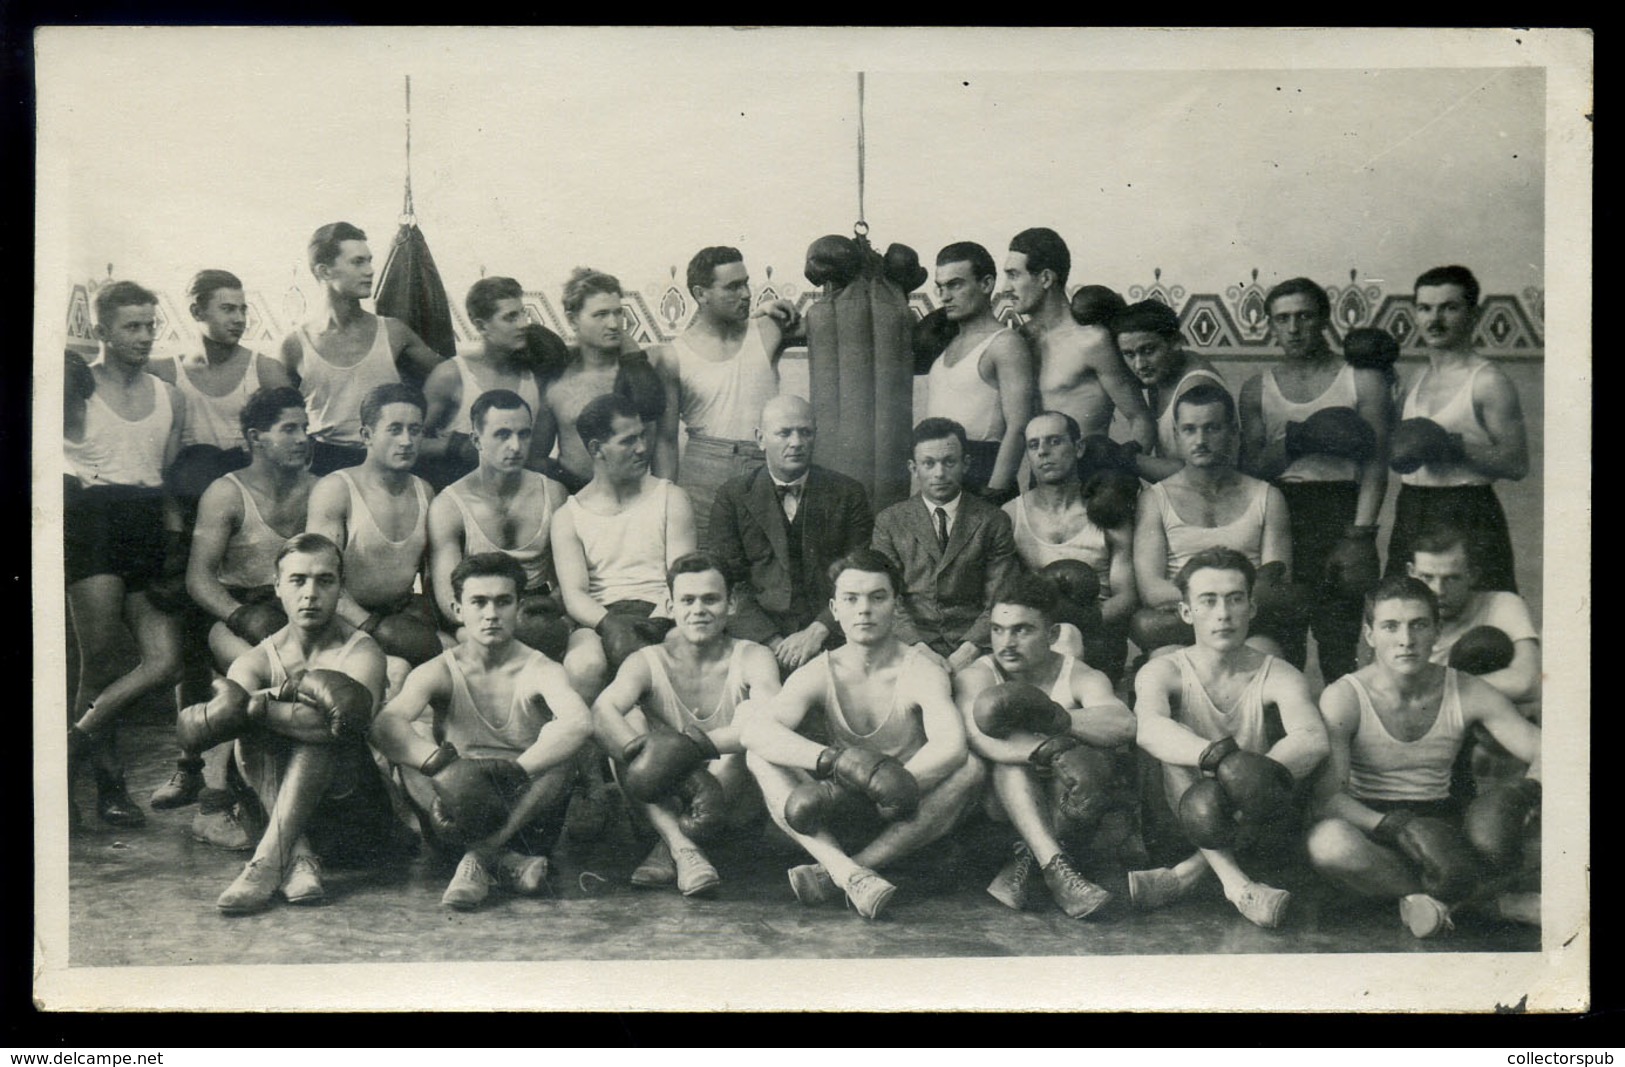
(183, 786)
(1424, 916)
(1074, 894)
(695, 875)
(1154, 888)
(868, 892)
(812, 884)
(657, 868)
(470, 886)
(224, 828)
(303, 883)
(1010, 886)
(252, 890)
(525, 875)
(1263, 905)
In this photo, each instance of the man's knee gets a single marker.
(585, 664)
(966, 779)
(1336, 846)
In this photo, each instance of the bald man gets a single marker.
(780, 527)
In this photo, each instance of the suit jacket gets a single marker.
(948, 592)
(750, 535)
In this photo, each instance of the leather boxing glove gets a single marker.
(833, 260)
(880, 778)
(1258, 787)
(546, 354)
(623, 634)
(1419, 442)
(902, 266)
(818, 804)
(543, 625)
(931, 337)
(225, 716)
(1100, 453)
(1075, 580)
(81, 380)
(1094, 305)
(636, 381)
(479, 794)
(1499, 819)
(1003, 709)
(1444, 859)
(1080, 780)
(705, 806)
(1482, 650)
(1352, 566)
(343, 701)
(1206, 815)
(257, 621)
(1154, 628)
(1109, 497)
(658, 761)
(404, 634)
(1334, 431)
(1366, 348)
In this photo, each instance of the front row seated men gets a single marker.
(670, 718)
(889, 766)
(1389, 826)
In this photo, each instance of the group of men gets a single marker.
(462, 596)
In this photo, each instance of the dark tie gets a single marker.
(789, 499)
(942, 527)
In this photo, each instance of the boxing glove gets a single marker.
(404, 634)
(931, 337)
(1004, 709)
(1257, 786)
(1443, 857)
(1498, 821)
(1109, 496)
(479, 794)
(1075, 580)
(1352, 567)
(343, 701)
(1206, 815)
(1334, 431)
(833, 260)
(1097, 453)
(818, 804)
(880, 778)
(705, 806)
(1420, 442)
(658, 761)
(225, 716)
(546, 354)
(1482, 650)
(902, 266)
(542, 625)
(1366, 348)
(1080, 780)
(257, 621)
(637, 382)
(81, 380)
(1094, 305)
(1154, 628)
(623, 634)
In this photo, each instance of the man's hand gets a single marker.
(782, 312)
(963, 656)
(801, 646)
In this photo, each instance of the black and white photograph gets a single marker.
(812, 519)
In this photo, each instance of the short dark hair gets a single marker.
(1296, 287)
(1400, 587)
(1044, 250)
(979, 258)
(1073, 430)
(702, 269)
(1204, 393)
(696, 563)
(598, 416)
(1096, 305)
(935, 429)
(502, 400)
(585, 282)
(380, 396)
(265, 404)
(1452, 275)
(325, 242)
(487, 565)
(484, 294)
(869, 561)
(1217, 558)
(309, 543)
(1030, 591)
(1147, 316)
(205, 282)
(115, 295)
(1442, 537)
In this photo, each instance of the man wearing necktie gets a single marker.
(778, 528)
(954, 549)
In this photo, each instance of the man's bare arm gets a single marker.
(219, 516)
(559, 740)
(1305, 745)
(1495, 400)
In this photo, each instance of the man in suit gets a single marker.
(780, 527)
(954, 549)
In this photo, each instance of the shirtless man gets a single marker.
(496, 787)
(1079, 371)
(1318, 429)
(1389, 827)
(1461, 429)
(496, 307)
(1231, 783)
(1153, 346)
(502, 507)
(896, 772)
(726, 366)
(672, 707)
(983, 380)
(379, 512)
(1046, 723)
(117, 519)
(599, 363)
(342, 353)
(298, 705)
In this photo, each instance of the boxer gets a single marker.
(1389, 828)
(1046, 723)
(1153, 346)
(1439, 560)
(495, 789)
(983, 379)
(342, 353)
(669, 715)
(1317, 428)
(895, 771)
(1228, 775)
(121, 537)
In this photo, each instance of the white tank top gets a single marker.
(333, 394)
(1060, 692)
(535, 555)
(506, 732)
(378, 572)
(1456, 416)
(251, 553)
(1167, 434)
(1244, 722)
(626, 552)
(1245, 534)
(1088, 544)
(725, 399)
(116, 451)
(279, 672)
(663, 701)
(214, 420)
(900, 734)
(1382, 767)
(1278, 411)
(462, 421)
(960, 393)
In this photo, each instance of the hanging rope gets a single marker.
(862, 227)
(407, 213)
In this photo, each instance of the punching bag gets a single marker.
(410, 289)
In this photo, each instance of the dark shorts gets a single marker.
(1475, 510)
(1449, 809)
(326, 458)
(251, 594)
(114, 530)
(979, 459)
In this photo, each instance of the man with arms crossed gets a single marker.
(670, 715)
(1153, 346)
(1202, 713)
(895, 773)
